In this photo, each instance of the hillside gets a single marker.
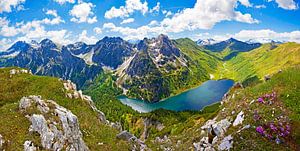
(14, 125)
(260, 62)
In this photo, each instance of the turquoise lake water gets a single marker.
(208, 93)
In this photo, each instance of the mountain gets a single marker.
(204, 42)
(46, 58)
(41, 112)
(161, 68)
(260, 62)
(231, 47)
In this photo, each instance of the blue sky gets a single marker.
(69, 21)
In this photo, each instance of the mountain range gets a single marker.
(152, 69)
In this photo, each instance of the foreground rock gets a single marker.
(1, 142)
(137, 144)
(29, 146)
(73, 93)
(58, 127)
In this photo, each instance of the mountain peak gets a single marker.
(230, 40)
(18, 45)
(111, 40)
(48, 43)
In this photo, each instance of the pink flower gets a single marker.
(260, 130)
(260, 100)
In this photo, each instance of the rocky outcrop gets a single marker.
(1, 142)
(137, 144)
(29, 146)
(58, 127)
(19, 71)
(226, 143)
(148, 122)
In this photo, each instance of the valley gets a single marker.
(174, 71)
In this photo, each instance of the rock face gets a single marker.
(58, 127)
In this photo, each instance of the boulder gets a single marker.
(58, 127)
(29, 146)
(226, 143)
(239, 119)
(221, 127)
(124, 135)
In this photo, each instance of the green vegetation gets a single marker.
(287, 87)
(265, 60)
(14, 126)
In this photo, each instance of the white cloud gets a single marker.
(124, 11)
(52, 12)
(7, 5)
(83, 13)
(261, 35)
(5, 44)
(167, 13)
(64, 1)
(205, 14)
(155, 8)
(286, 4)
(126, 21)
(98, 30)
(135, 33)
(260, 6)
(245, 3)
(84, 38)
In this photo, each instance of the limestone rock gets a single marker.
(124, 135)
(29, 146)
(221, 127)
(1, 142)
(239, 119)
(226, 143)
(59, 130)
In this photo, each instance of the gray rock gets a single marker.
(226, 143)
(2, 141)
(29, 146)
(124, 135)
(239, 119)
(221, 127)
(55, 135)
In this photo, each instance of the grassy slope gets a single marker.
(287, 86)
(14, 126)
(260, 62)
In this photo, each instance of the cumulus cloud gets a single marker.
(245, 3)
(286, 4)
(83, 13)
(98, 30)
(124, 11)
(205, 14)
(84, 38)
(126, 21)
(167, 13)
(7, 5)
(61, 2)
(155, 8)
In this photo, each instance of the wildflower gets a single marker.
(260, 130)
(273, 127)
(260, 100)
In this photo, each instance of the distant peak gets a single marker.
(48, 43)
(231, 40)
